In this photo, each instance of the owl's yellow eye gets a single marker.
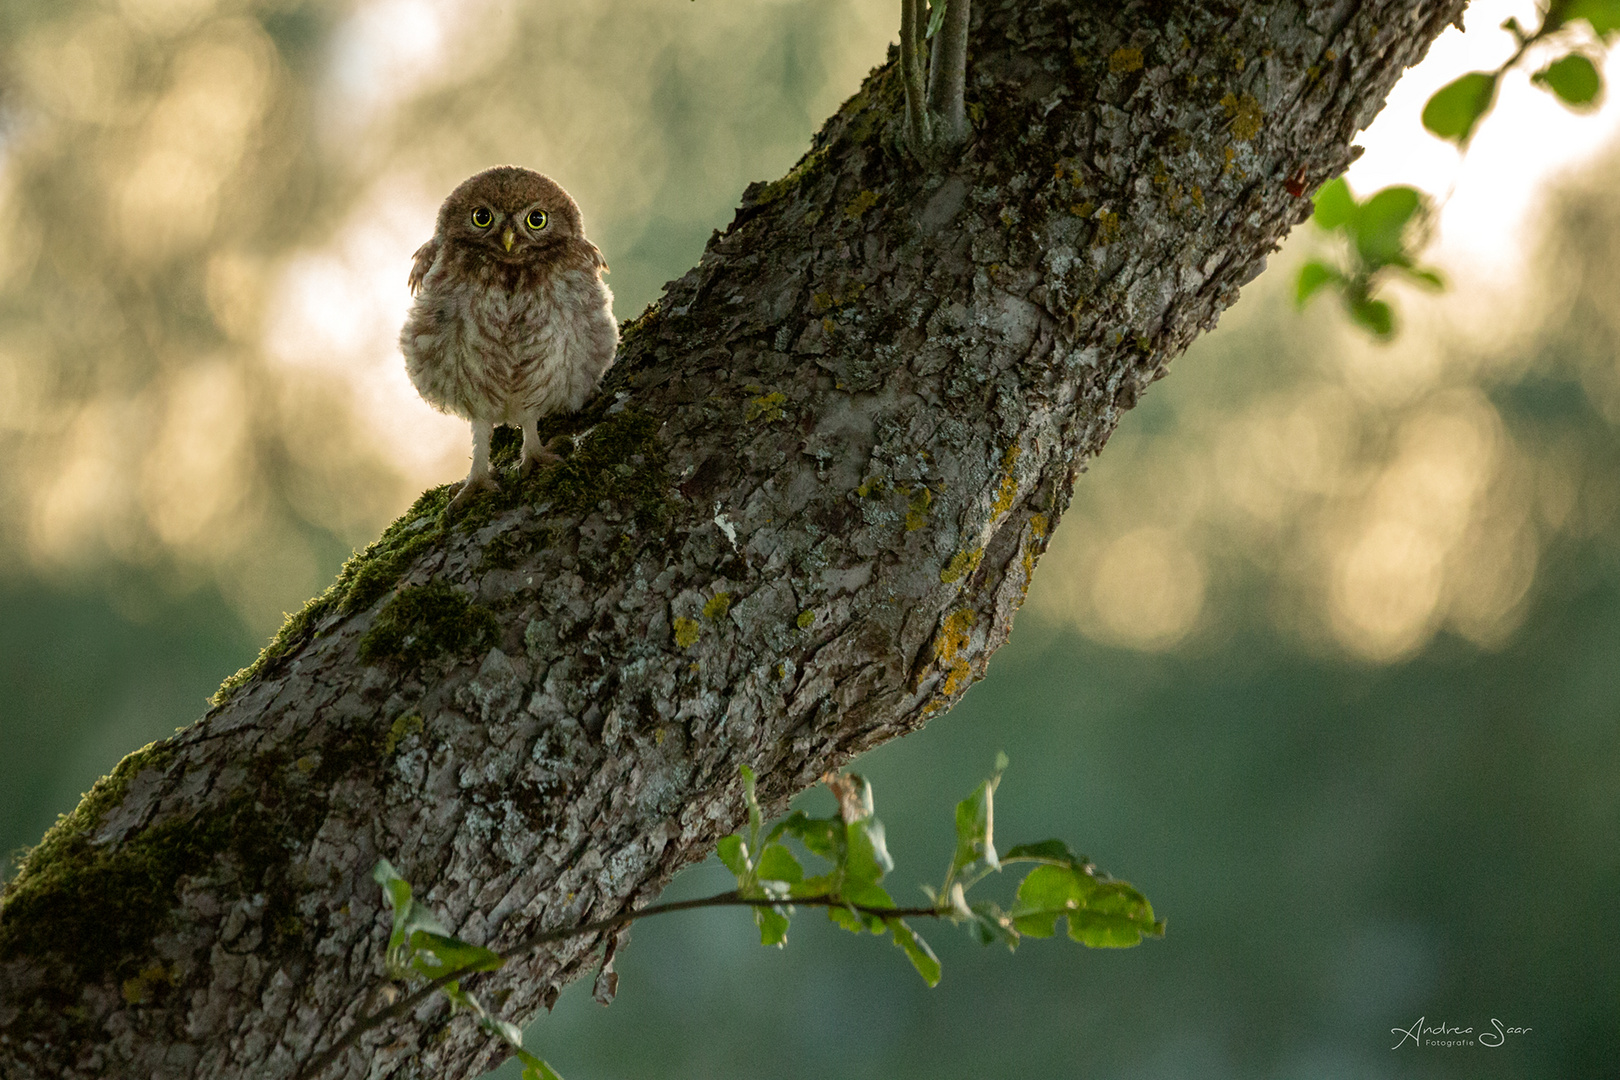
(536, 220)
(482, 218)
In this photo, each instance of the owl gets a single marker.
(511, 319)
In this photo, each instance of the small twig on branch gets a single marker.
(913, 32)
(947, 75)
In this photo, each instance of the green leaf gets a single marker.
(1603, 15)
(734, 853)
(776, 863)
(936, 16)
(773, 925)
(866, 857)
(1100, 914)
(534, 1068)
(755, 819)
(1425, 277)
(869, 895)
(847, 918)
(1312, 276)
(975, 825)
(1574, 79)
(1335, 206)
(991, 924)
(1115, 916)
(1043, 895)
(820, 885)
(1050, 850)
(509, 1032)
(1374, 315)
(438, 954)
(917, 950)
(819, 835)
(1380, 223)
(1457, 106)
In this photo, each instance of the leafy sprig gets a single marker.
(771, 880)
(1385, 231)
(1382, 233)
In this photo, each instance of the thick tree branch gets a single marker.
(798, 520)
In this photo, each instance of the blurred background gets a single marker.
(1325, 657)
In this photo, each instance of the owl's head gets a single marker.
(510, 214)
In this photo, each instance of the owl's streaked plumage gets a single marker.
(512, 320)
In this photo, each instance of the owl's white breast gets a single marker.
(488, 351)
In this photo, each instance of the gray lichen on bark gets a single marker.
(800, 517)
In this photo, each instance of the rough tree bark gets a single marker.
(810, 499)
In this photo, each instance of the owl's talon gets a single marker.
(543, 456)
(469, 487)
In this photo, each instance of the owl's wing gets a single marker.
(594, 255)
(422, 262)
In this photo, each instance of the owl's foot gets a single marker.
(541, 455)
(470, 487)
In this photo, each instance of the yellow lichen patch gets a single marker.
(686, 633)
(806, 619)
(872, 485)
(959, 677)
(917, 509)
(860, 204)
(1033, 548)
(307, 763)
(1244, 115)
(1125, 58)
(1198, 195)
(765, 408)
(718, 605)
(826, 301)
(1107, 229)
(143, 987)
(404, 726)
(1009, 483)
(962, 563)
(949, 645)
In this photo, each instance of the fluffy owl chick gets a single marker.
(512, 320)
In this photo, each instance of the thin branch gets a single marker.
(947, 74)
(546, 937)
(913, 29)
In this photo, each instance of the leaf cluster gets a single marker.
(1098, 911)
(1383, 233)
(1582, 30)
(1384, 230)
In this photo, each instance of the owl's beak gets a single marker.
(509, 239)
